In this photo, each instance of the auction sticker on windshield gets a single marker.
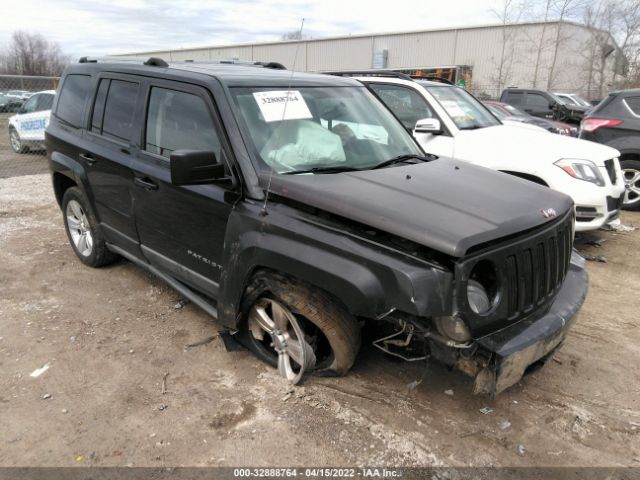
(279, 105)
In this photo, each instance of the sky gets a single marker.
(97, 27)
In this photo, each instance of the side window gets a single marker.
(72, 97)
(31, 104)
(537, 101)
(515, 98)
(179, 120)
(119, 109)
(405, 103)
(45, 101)
(634, 104)
(98, 106)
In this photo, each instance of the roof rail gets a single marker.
(433, 78)
(152, 61)
(369, 73)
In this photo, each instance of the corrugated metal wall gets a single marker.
(478, 47)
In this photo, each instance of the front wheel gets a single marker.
(16, 142)
(631, 173)
(287, 322)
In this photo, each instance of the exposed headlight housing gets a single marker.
(582, 170)
(478, 297)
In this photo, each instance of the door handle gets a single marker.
(87, 157)
(145, 183)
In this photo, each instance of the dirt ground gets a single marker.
(109, 336)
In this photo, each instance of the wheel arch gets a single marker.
(61, 183)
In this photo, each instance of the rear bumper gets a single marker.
(516, 349)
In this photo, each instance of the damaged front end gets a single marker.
(513, 306)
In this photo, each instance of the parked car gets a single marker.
(616, 122)
(9, 104)
(26, 128)
(573, 99)
(20, 94)
(509, 113)
(294, 206)
(543, 104)
(448, 121)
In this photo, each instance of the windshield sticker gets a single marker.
(453, 108)
(282, 105)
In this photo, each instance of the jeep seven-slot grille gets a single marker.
(609, 165)
(536, 271)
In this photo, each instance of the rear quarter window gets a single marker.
(72, 98)
(634, 104)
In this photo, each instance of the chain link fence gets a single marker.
(25, 106)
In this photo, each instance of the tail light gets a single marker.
(592, 124)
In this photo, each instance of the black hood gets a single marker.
(446, 205)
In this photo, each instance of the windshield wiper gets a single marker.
(334, 169)
(403, 158)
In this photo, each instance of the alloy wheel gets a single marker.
(78, 225)
(632, 186)
(295, 355)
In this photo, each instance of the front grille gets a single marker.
(530, 272)
(609, 165)
(536, 272)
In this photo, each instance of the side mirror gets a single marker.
(428, 125)
(195, 167)
(21, 110)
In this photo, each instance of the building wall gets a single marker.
(479, 47)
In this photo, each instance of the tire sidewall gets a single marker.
(21, 148)
(631, 165)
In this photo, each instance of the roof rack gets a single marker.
(159, 62)
(368, 73)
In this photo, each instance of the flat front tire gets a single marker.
(319, 320)
(82, 229)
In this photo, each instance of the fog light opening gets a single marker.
(482, 287)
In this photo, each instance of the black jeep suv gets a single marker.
(295, 208)
(616, 122)
(543, 104)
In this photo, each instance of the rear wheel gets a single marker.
(83, 231)
(631, 173)
(16, 142)
(287, 322)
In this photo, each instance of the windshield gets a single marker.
(514, 111)
(465, 111)
(309, 128)
(497, 111)
(581, 101)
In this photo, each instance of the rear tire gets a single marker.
(631, 173)
(83, 230)
(332, 332)
(16, 142)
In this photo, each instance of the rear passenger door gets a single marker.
(181, 228)
(107, 156)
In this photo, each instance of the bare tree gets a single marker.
(32, 54)
(562, 10)
(508, 12)
(541, 42)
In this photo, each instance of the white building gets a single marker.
(488, 57)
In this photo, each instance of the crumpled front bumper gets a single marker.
(529, 342)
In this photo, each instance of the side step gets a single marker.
(180, 287)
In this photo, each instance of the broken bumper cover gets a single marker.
(529, 342)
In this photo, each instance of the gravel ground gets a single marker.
(109, 336)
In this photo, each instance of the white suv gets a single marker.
(448, 121)
(26, 128)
